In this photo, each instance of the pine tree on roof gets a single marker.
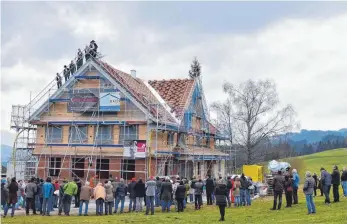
(195, 70)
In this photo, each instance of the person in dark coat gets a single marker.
(119, 195)
(320, 186)
(58, 79)
(72, 67)
(326, 182)
(335, 181)
(198, 194)
(315, 177)
(243, 190)
(278, 186)
(157, 191)
(87, 52)
(288, 189)
(180, 195)
(12, 188)
(77, 196)
(66, 72)
(79, 61)
(40, 195)
(166, 195)
(221, 198)
(30, 191)
(4, 197)
(61, 196)
(132, 195)
(209, 189)
(140, 191)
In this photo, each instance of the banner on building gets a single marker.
(83, 101)
(135, 149)
(110, 101)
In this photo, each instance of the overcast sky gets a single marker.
(302, 47)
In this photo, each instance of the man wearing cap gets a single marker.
(150, 194)
(132, 195)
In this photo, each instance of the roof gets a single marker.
(175, 92)
(141, 92)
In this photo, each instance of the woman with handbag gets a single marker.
(288, 189)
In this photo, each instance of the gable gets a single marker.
(114, 85)
(90, 91)
(195, 113)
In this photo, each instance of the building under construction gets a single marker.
(104, 121)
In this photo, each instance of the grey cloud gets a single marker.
(51, 32)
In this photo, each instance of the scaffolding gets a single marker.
(62, 136)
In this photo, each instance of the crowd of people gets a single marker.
(42, 197)
(289, 184)
(90, 50)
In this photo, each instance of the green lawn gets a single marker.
(258, 213)
(314, 162)
(326, 159)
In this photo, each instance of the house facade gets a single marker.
(104, 122)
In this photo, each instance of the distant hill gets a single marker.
(6, 153)
(300, 140)
(312, 136)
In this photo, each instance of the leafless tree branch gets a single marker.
(250, 114)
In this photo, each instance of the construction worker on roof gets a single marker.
(79, 61)
(66, 73)
(58, 78)
(87, 52)
(72, 67)
(93, 48)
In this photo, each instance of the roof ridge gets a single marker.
(168, 80)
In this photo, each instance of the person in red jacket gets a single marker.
(231, 192)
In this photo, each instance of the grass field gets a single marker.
(315, 161)
(257, 213)
(326, 159)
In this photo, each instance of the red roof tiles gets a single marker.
(140, 92)
(175, 92)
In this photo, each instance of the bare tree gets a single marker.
(254, 115)
(223, 123)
